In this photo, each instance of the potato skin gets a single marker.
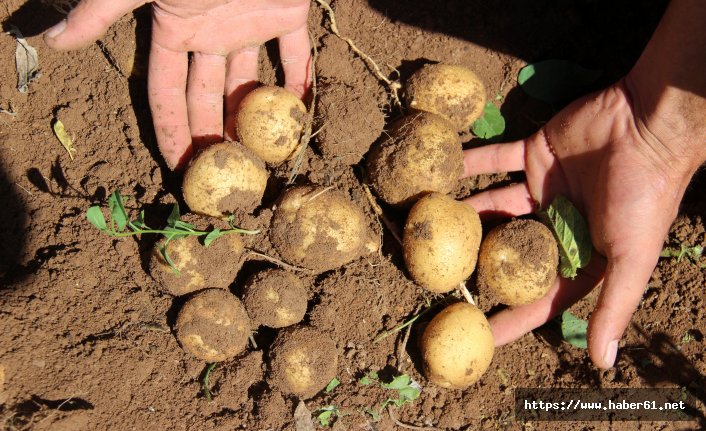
(275, 298)
(319, 229)
(441, 240)
(269, 122)
(213, 325)
(199, 267)
(517, 262)
(421, 154)
(223, 179)
(454, 92)
(457, 346)
(303, 361)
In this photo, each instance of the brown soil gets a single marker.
(87, 341)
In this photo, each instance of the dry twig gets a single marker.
(407, 426)
(277, 261)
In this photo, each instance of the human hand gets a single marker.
(187, 100)
(599, 154)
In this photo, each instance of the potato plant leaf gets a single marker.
(407, 390)
(573, 330)
(325, 414)
(96, 218)
(208, 239)
(491, 124)
(64, 138)
(174, 216)
(571, 233)
(555, 81)
(117, 210)
(333, 384)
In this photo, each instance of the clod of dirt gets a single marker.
(199, 267)
(349, 122)
(422, 154)
(213, 325)
(517, 262)
(454, 92)
(223, 179)
(302, 361)
(275, 298)
(319, 229)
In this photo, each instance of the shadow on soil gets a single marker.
(13, 219)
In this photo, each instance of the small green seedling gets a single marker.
(491, 124)
(687, 338)
(407, 391)
(326, 414)
(206, 380)
(573, 330)
(333, 384)
(120, 225)
(369, 378)
(571, 232)
(693, 253)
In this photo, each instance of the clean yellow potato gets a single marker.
(517, 263)
(441, 240)
(223, 179)
(457, 346)
(303, 361)
(213, 325)
(454, 92)
(199, 267)
(319, 229)
(269, 122)
(422, 153)
(275, 298)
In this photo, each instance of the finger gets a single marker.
(510, 201)
(241, 78)
(87, 22)
(204, 98)
(512, 323)
(491, 159)
(295, 51)
(166, 86)
(625, 281)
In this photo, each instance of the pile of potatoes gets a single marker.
(415, 166)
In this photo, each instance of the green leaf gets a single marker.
(333, 384)
(174, 216)
(117, 210)
(96, 218)
(408, 394)
(215, 233)
(165, 255)
(573, 330)
(182, 225)
(554, 81)
(572, 235)
(368, 378)
(139, 222)
(398, 382)
(325, 415)
(491, 124)
(374, 414)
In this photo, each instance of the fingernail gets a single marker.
(57, 29)
(611, 352)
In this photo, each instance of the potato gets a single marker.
(421, 154)
(454, 92)
(269, 122)
(223, 179)
(441, 240)
(457, 346)
(518, 262)
(319, 229)
(303, 361)
(275, 298)
(213, 325)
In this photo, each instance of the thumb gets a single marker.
(87, 22)
(625, 280)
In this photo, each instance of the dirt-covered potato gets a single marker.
(454, 92)
(517, 263)
(319, 229)
(213, 325)
(441, 240)
(303, 361)
(457, 346)
(269, 122)
(223, 179)
(275, 298)
(348, 120)
(422, 153)
(199, 267)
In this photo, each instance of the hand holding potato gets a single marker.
(224, 36)
(624, 157)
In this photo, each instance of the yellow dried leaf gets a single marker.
(64, 138)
